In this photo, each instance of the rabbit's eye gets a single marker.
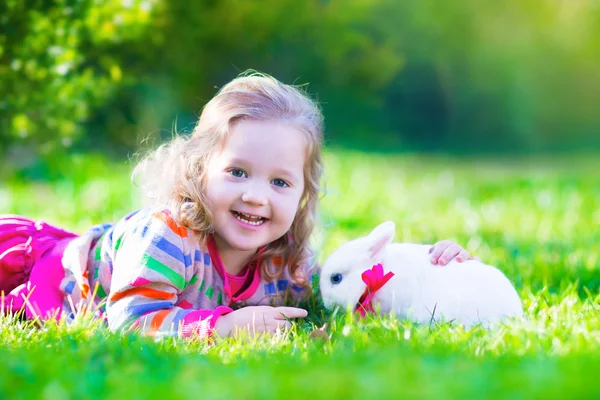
(336, 278)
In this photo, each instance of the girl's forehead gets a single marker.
(265, 136)
(266, 143)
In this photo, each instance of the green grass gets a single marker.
(538, 220)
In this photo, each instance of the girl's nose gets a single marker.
(249, 197)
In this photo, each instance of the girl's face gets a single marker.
(255, 183)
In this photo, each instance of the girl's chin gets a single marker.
(243, 245)
(245, 241)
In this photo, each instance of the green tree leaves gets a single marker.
(429, 74)
(57, 64)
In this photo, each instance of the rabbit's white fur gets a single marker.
(468, 293)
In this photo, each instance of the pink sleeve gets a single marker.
(201, 323)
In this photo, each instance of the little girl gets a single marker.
(225, 243)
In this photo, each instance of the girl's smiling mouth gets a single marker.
(249, 219)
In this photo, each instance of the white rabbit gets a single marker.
(468, 293)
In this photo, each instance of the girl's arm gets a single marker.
(149, 274)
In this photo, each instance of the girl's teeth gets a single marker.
(239, 216)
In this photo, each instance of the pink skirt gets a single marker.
(31, 268)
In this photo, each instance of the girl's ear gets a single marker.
(380, 237)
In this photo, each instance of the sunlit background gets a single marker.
(470, 120)
(469, 76)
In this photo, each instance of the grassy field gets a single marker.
(537, 220)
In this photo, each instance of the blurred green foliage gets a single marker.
(61, 62)
(514, 76)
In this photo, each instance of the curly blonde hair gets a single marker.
(174, 175)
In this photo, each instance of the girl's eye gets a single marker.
(336, 278)
(280, 183)
(238, 173)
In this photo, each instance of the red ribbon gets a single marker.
(375, 279)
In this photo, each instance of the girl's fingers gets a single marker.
(283, 325)
(273, 325)
(437, 250)
(463, 256)
(283, 313)
(449, 254)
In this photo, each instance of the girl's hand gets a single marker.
(446, 250)
(257, 319)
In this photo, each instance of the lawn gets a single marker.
(536, 219)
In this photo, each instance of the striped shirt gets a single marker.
(149, 273)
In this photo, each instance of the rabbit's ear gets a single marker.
(380, 237)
